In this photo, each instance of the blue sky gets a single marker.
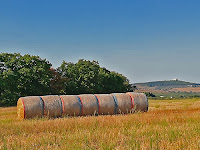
(145, 40)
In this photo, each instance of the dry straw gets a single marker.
(124, 103)
(89, 104)
(71, 105)
(140, 101)
(52, 106)
(81, 105)
(106, 104)
(29, 107)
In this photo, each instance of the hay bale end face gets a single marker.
(29, 107)
(81, 105)
(20, 109)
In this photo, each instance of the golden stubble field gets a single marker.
(169, 124)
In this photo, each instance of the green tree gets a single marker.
(23, 76)
(113, 82)
(149, 94)
(57, 83)
(88, 77)
(30, 75)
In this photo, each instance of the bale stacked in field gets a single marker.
(52, 106)
(140, 101)
(29, 107)
(89, 104)
(106, 104)
(81, 105)
(124, 103)
(72, 106)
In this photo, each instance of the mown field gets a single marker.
(169, 124)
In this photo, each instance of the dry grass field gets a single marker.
(187, 89)
(169, 124)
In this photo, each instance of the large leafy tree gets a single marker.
(58, 82)
(30, 75)
(88, 77)
(113, 82)
(23, 76)
(82, 76)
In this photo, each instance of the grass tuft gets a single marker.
(169, 124)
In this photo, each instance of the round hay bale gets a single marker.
(29, 107)
(52, 106)
(71, 105)
(89, 104)
(132, 101)
(140, 101)
(124, 103)
(106, 104)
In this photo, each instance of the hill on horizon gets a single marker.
(166, 84)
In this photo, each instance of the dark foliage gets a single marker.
(88, 77)
(23, 76)
(30, 75)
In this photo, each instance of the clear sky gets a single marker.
(145, 40)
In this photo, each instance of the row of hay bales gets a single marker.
(81, 105)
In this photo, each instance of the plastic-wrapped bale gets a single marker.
(140, 101)
(29, 107)
(123, 102)
(52, 106)
(89, 104)
(71, 104)
(106, 104)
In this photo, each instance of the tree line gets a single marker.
(28, 75)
